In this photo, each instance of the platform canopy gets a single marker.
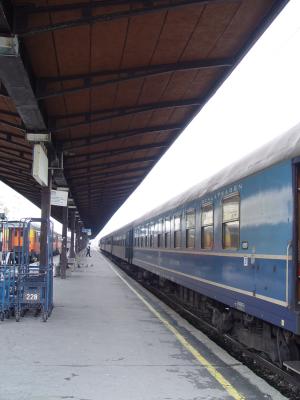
(115, 82)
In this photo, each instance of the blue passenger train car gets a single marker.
(233, 240)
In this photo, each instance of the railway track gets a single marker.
(285, 382)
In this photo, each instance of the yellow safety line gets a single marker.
(202, 360)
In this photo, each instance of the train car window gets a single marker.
(231, 222)
(167, 231)
(190, 231)
(146, 235)
(207, 226)
(152, 230)
(159, 233)
(155, 235)
(177, 231)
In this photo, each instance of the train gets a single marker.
(11, 239)
(231, 244)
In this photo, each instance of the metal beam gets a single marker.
(8, 123)
(16, 80)
(14, 153)
(67, 144)
(101, 182)
(17, 170)
(88, 18)
(112, 153)
(21, 151)
(92, 80)
(6, 171)
(112, 164)
(9, 135)
(106, 174)
(117, 112)
(7, 156)
(117, 202)
(101, 197)
(29, 8)
(13, 138)
(117, 151)
(96, 185)
(9, 113)
(107, 196)
(111, 189)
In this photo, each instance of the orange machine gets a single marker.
(11, 238)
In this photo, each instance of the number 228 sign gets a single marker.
(31, 296)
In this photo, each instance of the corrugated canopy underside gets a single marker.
(117, 81)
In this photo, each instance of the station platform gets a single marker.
(108, 338)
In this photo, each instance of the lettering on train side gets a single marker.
(223, 193)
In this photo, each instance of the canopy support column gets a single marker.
(64, 258)
(72, 223)
(45, 225)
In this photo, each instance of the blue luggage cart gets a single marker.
(34, 280)
(8, 267)
(4, 292)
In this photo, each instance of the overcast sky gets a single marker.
(259, 101)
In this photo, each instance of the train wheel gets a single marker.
(286, 347)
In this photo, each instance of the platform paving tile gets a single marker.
(102, 342)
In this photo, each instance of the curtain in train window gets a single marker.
(207, 226)
(190, 229)
(167, 232)
(177, 231)
(231, 222)
(152, 230)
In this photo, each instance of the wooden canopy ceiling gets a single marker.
(115, 82)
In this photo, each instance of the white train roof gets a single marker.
(283, 147)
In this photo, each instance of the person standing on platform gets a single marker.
(88, 251)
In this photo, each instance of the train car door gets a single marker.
(129, 246)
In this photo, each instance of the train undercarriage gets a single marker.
(274, 343)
